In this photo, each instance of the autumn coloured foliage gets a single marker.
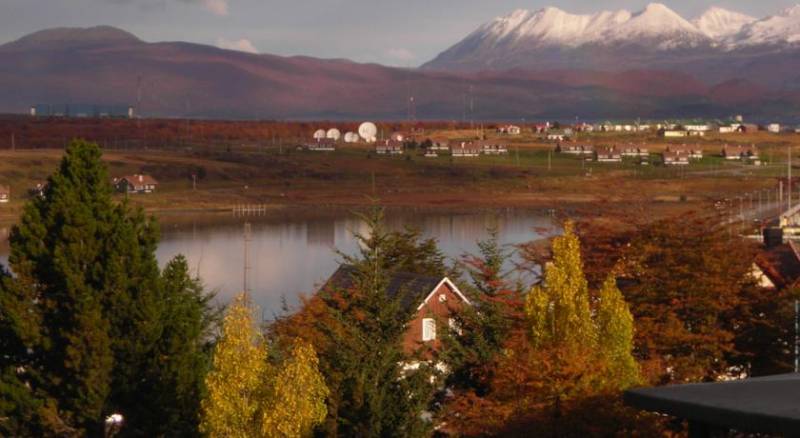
(569, 347)
(250, 395)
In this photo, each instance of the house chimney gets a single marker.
(141, 178)
(773, 237)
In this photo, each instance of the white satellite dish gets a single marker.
(319, 134)
(351, 137)
(368, 131)
(334, 134)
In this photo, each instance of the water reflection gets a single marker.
(293, 257)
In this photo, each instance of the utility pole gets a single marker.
(789, 180)
(247, 237)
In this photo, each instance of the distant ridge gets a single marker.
(73, 36)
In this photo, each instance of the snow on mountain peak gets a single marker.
(780, 29)
(656, 26)
(719, 23)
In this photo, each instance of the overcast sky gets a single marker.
(397, 32)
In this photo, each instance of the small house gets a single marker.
(739, 153)
(673, 133)
(466, 149)
(634, 151)
(774, 128)
(322, 145)
(5, 194)
(439, 145)
(575, 149)
(389, 147)
(509, 129)
(693, 153)
(489, 147)
(608, 155)
(432, 301)
(671, 158)
(138, 183)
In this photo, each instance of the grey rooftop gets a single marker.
(765, 405)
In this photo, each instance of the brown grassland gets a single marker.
(260, 163)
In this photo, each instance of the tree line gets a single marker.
(90, 327)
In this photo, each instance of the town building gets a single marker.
(138, 183)
(439, 144)
(432, 301)
(694, 153)
(739, 153)
(509, 129)
(774, 128)
(489, 147)
(574, 149)
(670, 158)
(608, 155)
(466, 149)
(322, 145)
(389, 147)
(673, 133)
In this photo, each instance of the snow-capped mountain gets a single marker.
(719, 24)
(780, 29)
(553, 38)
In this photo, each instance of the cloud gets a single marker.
(241, 45)
(400, 54)
(217, 7)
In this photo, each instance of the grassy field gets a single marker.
(250, 163)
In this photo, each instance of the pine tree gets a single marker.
(174, 376)
(615, 337)
(236, 395)
(86, 308)
(296, 394)
(560, 311)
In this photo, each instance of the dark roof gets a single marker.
(413, 288)
(781, 264)
(766, 405)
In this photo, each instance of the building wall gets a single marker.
(434, 308)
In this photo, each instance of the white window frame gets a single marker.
(442, 298)
(428, 329)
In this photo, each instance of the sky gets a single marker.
(403, 33)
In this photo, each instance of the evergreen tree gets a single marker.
(174, 379)
(86, 311)
(236, 397)
(560, 311)
(296, 394)
(357, 333)
(486, 324)
(615, 337)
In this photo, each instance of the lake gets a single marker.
(291, 257)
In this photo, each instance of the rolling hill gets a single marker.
(104, 65)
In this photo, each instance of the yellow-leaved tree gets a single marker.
(248, 396)
(615, 340)
(296, 394)
(235, 382)
(559, 311)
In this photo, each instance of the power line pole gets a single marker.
(247, 238)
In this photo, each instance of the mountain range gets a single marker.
(717, 46)
(547, 64)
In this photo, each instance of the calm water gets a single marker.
(294, 257)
